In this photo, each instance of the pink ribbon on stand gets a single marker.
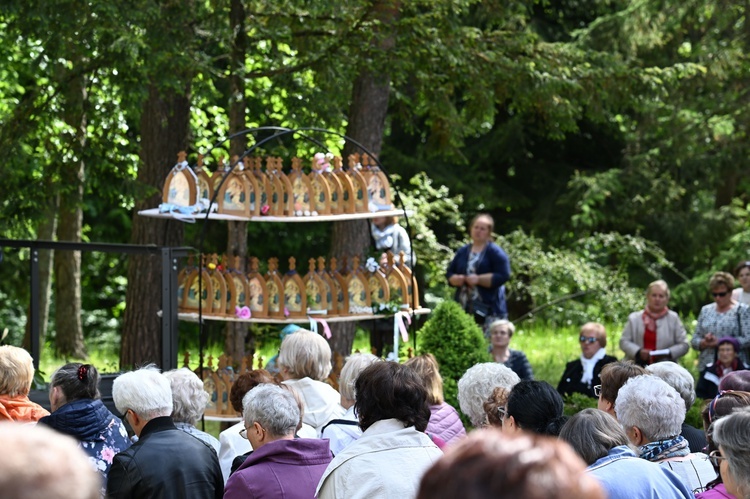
(400, 327)
(314, 322)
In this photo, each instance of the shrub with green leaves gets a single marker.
(457, 343)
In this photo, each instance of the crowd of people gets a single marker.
(386, 430)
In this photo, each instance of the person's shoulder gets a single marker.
(607, 359)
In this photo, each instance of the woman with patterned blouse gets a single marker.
(724, 317)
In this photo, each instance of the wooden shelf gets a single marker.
(154, 213)
(193, 317)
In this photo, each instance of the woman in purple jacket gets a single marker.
(280, 465)
(445, 423)
(479, 272)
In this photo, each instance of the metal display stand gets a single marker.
(169, 256)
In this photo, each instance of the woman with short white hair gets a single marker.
(652, 412)
(732, 435)
(280, 465)
(304, 363)
(477, 385)
(190, 400)
(344, 430)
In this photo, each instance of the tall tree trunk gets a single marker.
(236, 333)
(164, 132)
(67, 264)
(45, 232)
(367, 115)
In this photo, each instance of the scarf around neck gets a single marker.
(589, 364)
(650, 318)
(664, 449)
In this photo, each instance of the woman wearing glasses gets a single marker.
(655, 333)
(724, 317)
(581, 375)
(732, 435)
(280, 465)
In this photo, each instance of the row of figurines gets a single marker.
(249, 190)
(227, 291)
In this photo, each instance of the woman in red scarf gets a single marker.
(654, 333)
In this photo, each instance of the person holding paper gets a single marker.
(655, 333)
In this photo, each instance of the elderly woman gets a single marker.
(345, 430)
(583, 374)
(601, 442)
(742, 273)
(304, 362)
(654, 333)
(280, 465)
(536, 407)
(445, 423)
(190, 400)
(479, 271)
(732, 435)
(393, 452)
(478, 384)
(77, 410)
(722, 405)
(501, 331)
(231, 443)
(681, 380)
(724, 317)
(652, 412)
(16, 375)
(490, 464)
(727, 361)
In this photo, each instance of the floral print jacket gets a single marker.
(100, 433)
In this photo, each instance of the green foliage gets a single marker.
(430, 208)
(693, 416)
(576, 402)
(457, 343)
(565, 286)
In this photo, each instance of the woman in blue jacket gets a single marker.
(479, 271)
(78, 411)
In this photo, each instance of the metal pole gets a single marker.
(34, 305)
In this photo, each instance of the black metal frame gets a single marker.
(169, 256)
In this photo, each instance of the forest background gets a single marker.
(607, 138)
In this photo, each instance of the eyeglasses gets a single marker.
(597, 390)
(715, 457)
(502, 412)
(243, 433)
(588, 339)
(720, 295)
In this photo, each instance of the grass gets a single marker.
(549, 351)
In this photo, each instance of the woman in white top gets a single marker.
(742, 273)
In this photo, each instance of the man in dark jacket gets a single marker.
(165, 462)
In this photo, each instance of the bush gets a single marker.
(457, 343)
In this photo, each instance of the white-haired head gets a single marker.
(678, 378)
(477, 385)
(188, 396)
(651, 405)
(145, 391)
